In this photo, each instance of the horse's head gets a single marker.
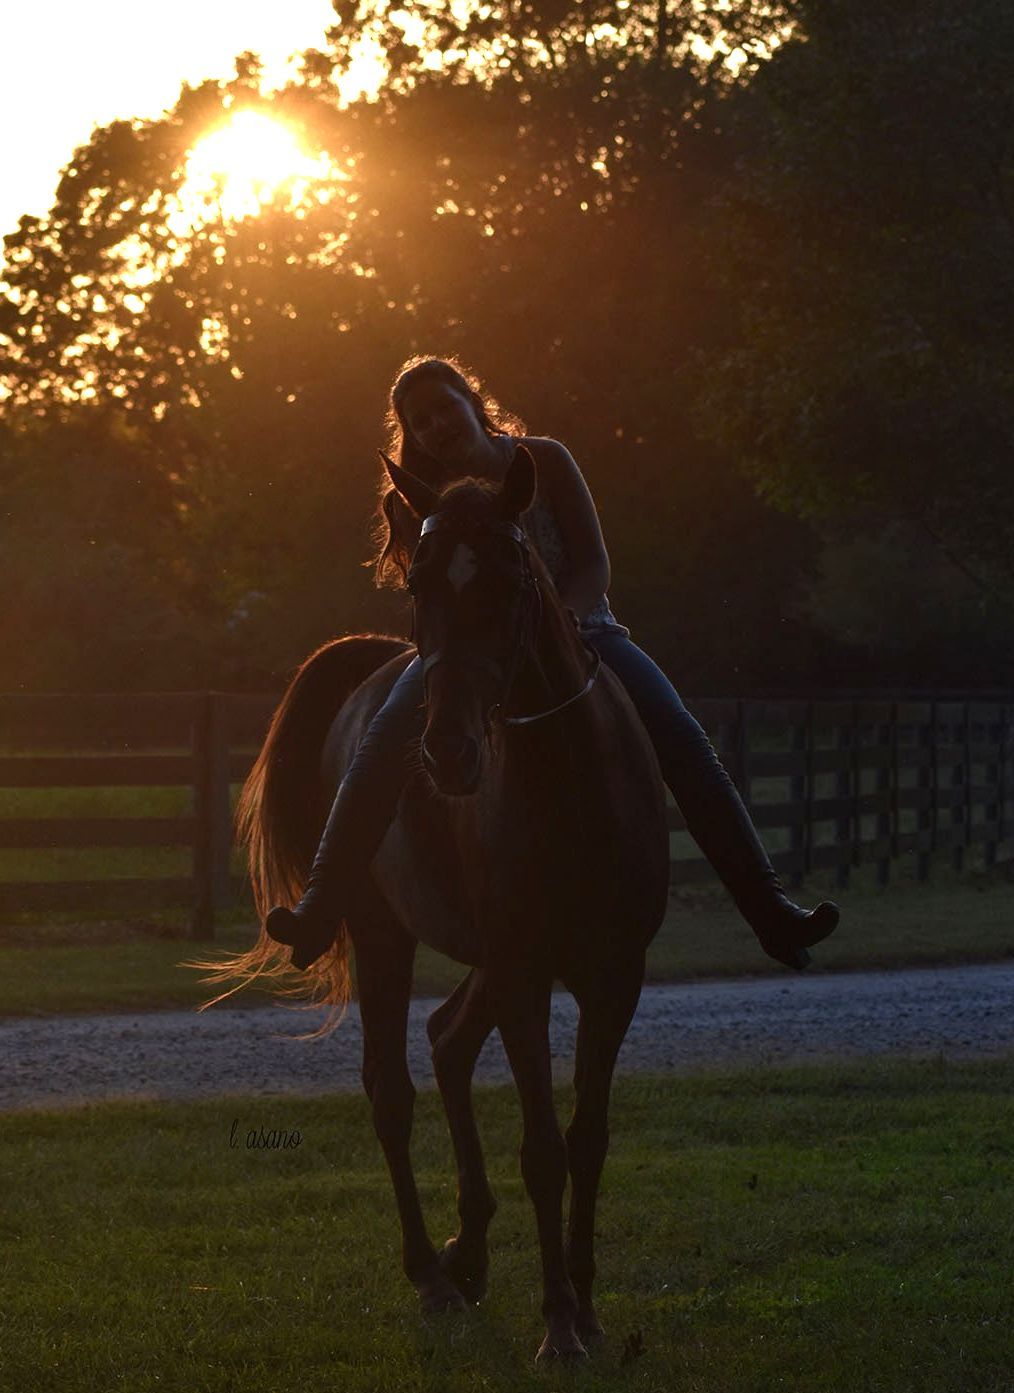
(476, 609)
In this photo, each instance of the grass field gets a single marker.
(50, 966)
(822, 1229)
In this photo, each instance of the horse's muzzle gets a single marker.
(453, 762)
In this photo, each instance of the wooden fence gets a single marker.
(197, 743)
(830, 785)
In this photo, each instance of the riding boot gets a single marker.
(360, 815)
(346, 849)
(719, 823)
(713, 809)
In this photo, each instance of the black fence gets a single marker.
(831, 784)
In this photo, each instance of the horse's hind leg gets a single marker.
(384, 956)
(607, 1007)
(458, 1030)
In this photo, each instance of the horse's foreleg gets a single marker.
(458, 1030)
(522, 1013)
(384, 975)
(606, 1012)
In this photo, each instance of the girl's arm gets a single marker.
(562, 484)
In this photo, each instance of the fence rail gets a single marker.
(830, 784)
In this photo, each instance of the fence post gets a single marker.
(800, 743)
(895, 782)
(212, 838)
(809, 832)
(969, 805)
(960, 807)
(882, 783)
(845, 739)
(935, 840)
(993, 739)
(1001, 791)
(742, 772)
(220, 808)
(202, 923)
(857, 786)
(926, 784)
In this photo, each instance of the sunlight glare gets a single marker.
(367, 71)
(246, 163)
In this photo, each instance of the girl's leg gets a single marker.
(361, 814)
(714, 812)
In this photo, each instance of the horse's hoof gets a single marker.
(564, 1347)
(438, 1295)
(471, 1282)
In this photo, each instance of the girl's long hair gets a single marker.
(395, 526)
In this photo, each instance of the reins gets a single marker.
(528, 628)
(538, 715)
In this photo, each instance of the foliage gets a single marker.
(250, 354)
(886, 592)
(582, 200)
(867, 234)
(96, 592)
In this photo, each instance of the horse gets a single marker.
(530, 845)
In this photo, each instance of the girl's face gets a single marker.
(443, 422)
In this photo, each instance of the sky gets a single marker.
(70, 66)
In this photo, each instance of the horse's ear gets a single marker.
(519, 485)
(419, 496)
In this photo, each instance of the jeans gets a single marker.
(685, 754)
(714, 812)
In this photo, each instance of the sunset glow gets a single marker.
(366, 73)
(95, 85)
(250, 161)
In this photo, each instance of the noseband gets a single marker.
(527, 629)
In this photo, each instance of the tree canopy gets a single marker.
(714, 248)
(866, 233)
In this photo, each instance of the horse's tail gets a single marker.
(279, 819)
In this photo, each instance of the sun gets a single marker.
(249, 161)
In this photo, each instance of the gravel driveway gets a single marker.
(185, 1054)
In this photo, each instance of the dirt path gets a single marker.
(70, 1060)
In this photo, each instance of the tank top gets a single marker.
(542, 528)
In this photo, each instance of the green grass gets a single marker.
(53, 966)
(86, 801)
(821, 1229)
(44, 864)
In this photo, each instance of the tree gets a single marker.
(538, 219)
(867, 235)
(906, 613)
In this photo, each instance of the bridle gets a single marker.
(527, 629)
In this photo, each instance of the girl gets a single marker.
(443, 428)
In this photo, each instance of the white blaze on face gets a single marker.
(462, 568)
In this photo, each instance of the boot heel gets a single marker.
(786, 954)
(308, 941)
(304, 954)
